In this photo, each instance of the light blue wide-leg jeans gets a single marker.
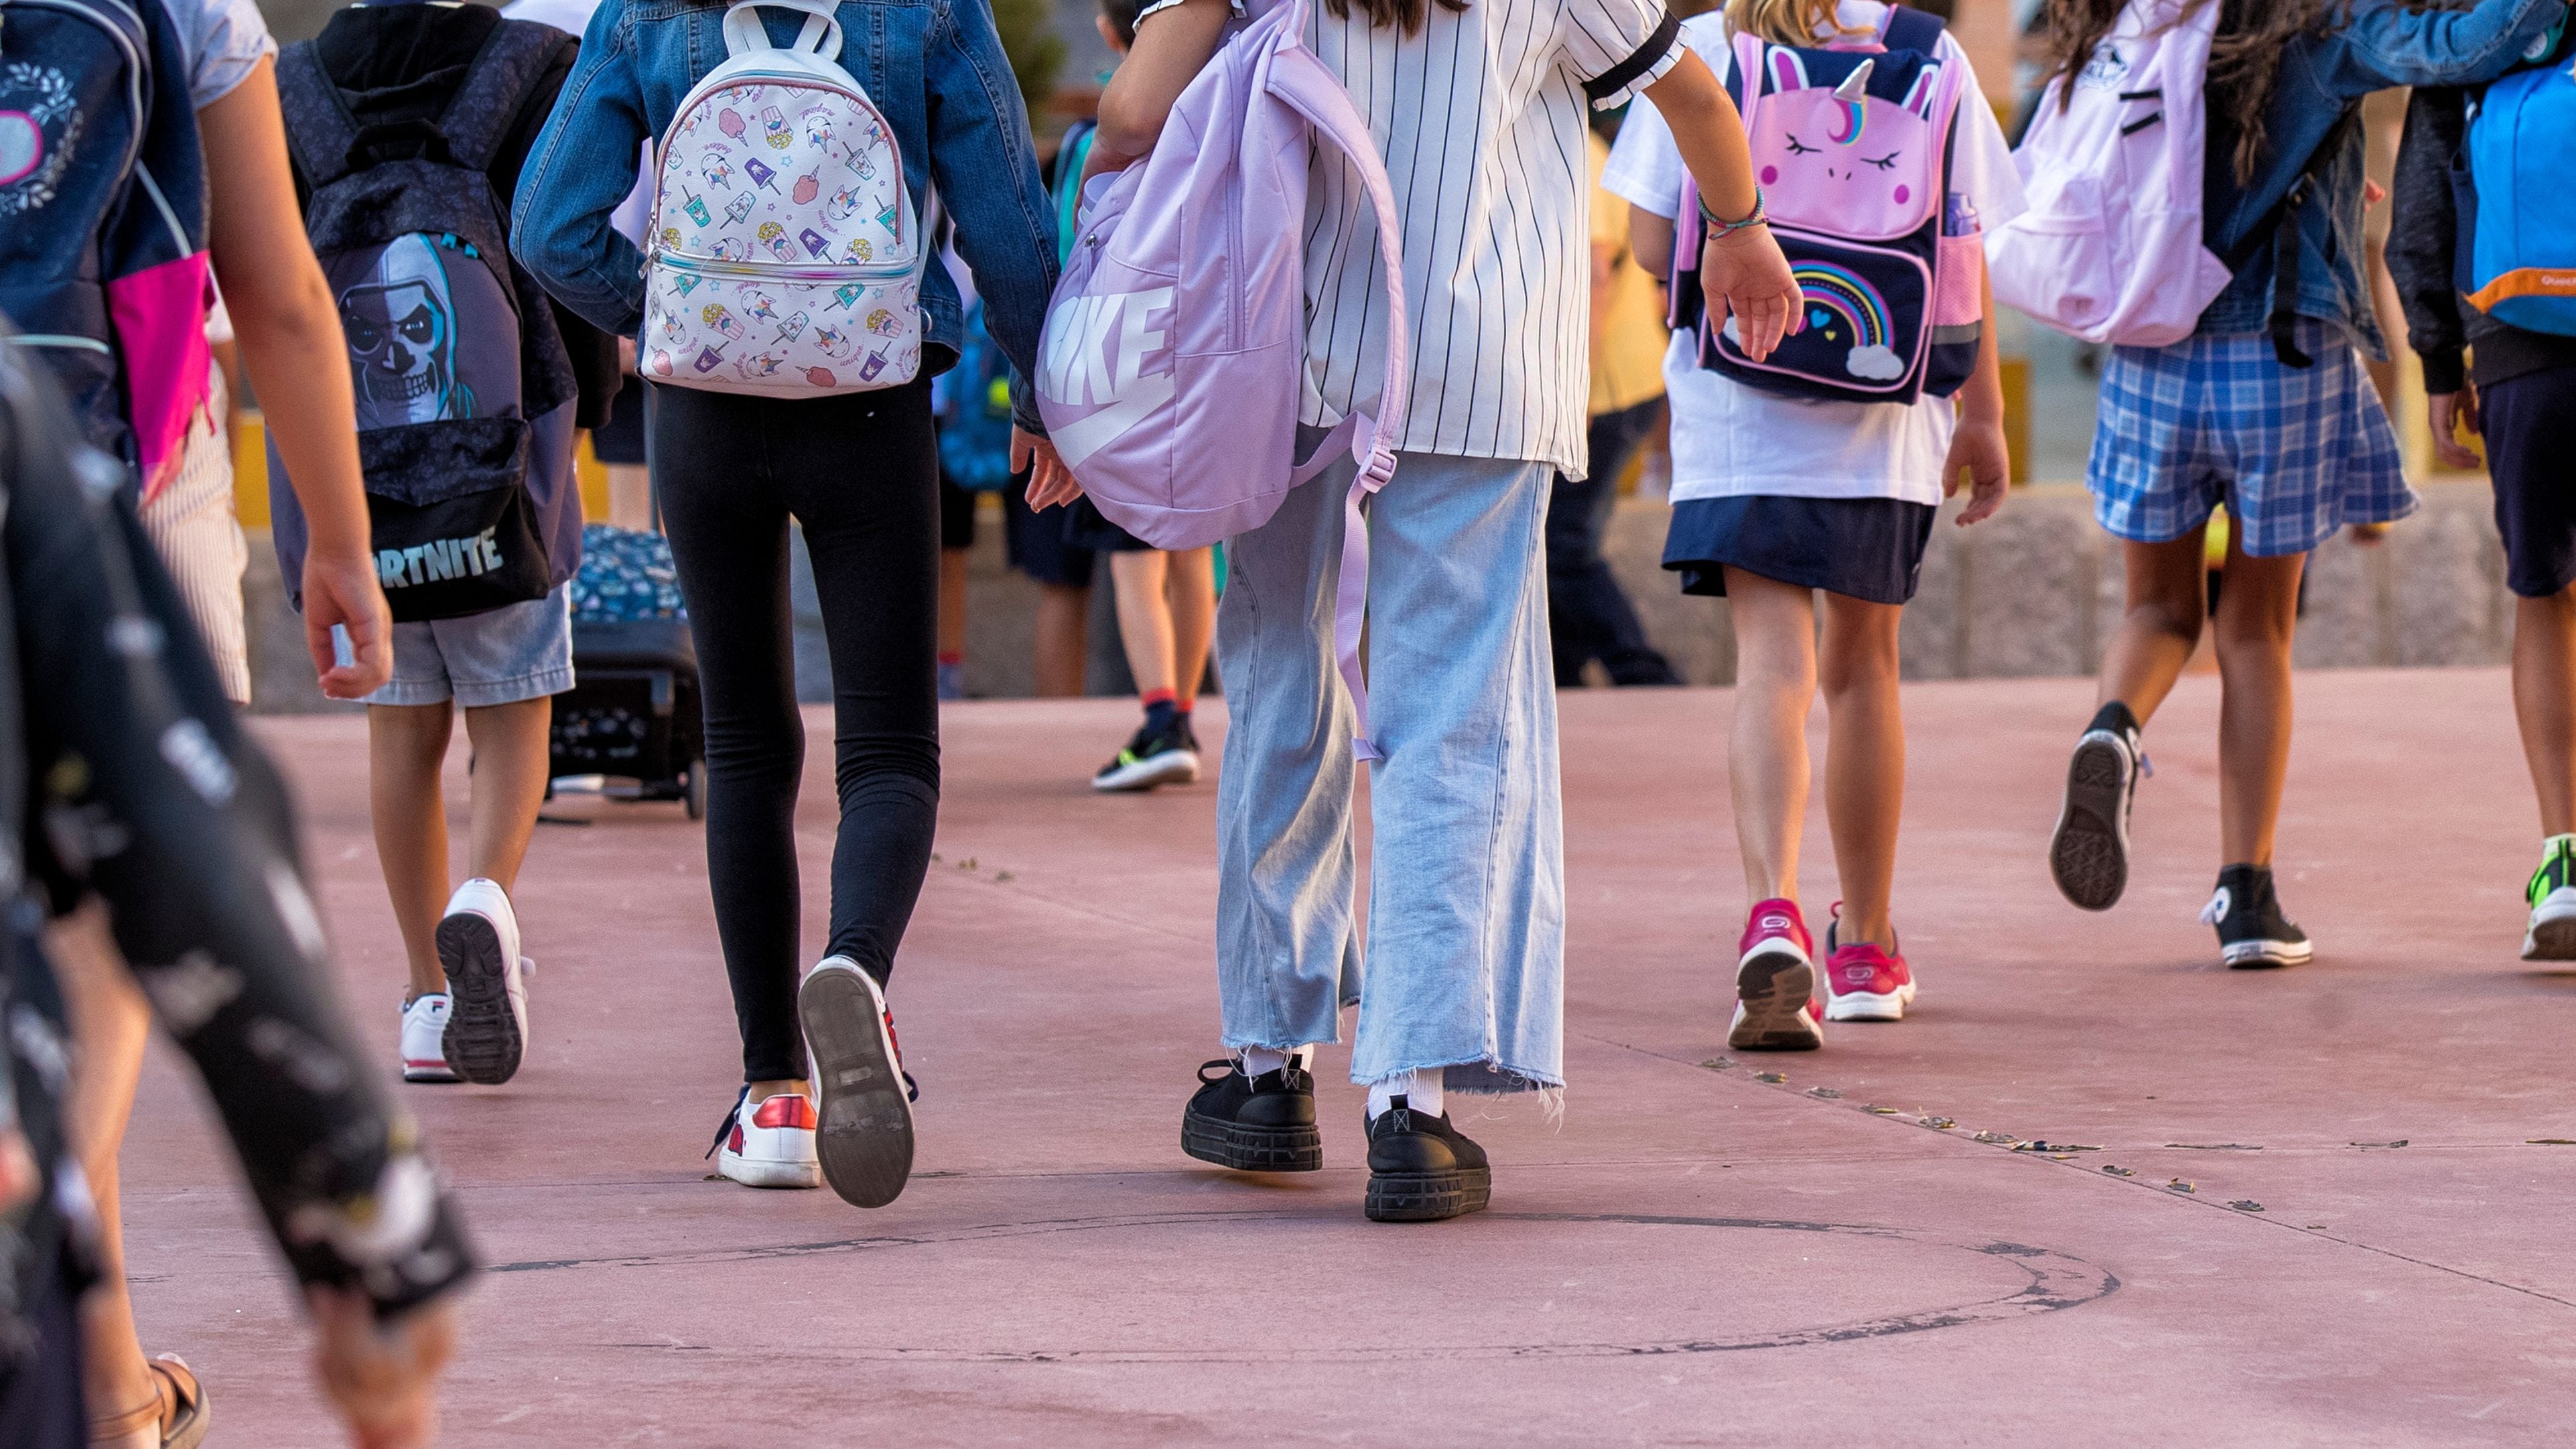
(1466, 929)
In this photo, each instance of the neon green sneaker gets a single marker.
(2552, 894)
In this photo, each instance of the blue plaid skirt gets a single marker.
(2294, 453)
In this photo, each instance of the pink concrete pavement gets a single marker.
(1697, 1256)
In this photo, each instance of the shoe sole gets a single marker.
(1870, 1005)
(1148, 773)
(440, 1073)
(1772, 989)
(1428, 1197)
(768, 1174)
(1251, 1149)
(2089, 853)
(2266, 955)
(864, 1136)
(482, 1042)
(2552, 936)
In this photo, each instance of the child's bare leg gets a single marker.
(1864, 761)
(511, 754)
(1775, 683)
(1144, 617)
(2168, 588)
(1191, 590)
(406, 750)
(2258, 614)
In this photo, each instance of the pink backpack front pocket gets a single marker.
(160, 318)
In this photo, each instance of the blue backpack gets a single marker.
(2521, 261)
(975, 412)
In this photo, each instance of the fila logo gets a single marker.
(1093, 355)
(438, 560)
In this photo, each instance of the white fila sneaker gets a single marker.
(424, 1028)
(478, 945)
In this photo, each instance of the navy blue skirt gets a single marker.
(1863, 548)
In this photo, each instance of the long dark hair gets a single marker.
(2244, 63)
(1407, 15)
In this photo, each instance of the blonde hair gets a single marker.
(1785, 22)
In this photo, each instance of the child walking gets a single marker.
(425, 313)
(2266, 407)
(858, 470)
(1779, 501)
(1479, 112)
(2519, 392)
(1166, 598)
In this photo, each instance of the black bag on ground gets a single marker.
(633, 713)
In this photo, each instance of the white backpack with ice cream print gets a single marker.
(784, 258)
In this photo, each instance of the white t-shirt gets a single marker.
(223, 40)
(1730, 440)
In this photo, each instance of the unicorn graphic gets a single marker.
(818, 127)
(763, 365)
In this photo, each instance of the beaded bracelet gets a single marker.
(1719, 226)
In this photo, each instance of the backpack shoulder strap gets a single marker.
(1912, 29)
(478, 119)
(1297, 77)
(319, 129)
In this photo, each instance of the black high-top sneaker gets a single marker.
(2253, 935)
(1254, 1124)
(1422, 1170)
(2089, 852)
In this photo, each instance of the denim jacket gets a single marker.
(934, 67)
(2380, 44)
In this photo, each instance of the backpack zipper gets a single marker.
(779, 272)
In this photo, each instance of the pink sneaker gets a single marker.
(1775, 984)
(1864, 983)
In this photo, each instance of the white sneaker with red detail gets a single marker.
(424, 1026)
(865, 1096)
(770, 1143)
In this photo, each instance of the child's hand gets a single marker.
(1744, 273)
(1978, 450)
(2449, 412)
(383, 1376)
(1050, 482)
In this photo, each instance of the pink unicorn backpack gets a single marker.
(1852, 145)
(1174, 354)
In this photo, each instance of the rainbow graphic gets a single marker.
(1847, 130)
(1843, 307)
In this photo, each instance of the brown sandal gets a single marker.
(177, 1408)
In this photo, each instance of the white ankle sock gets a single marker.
(1422, 1092)
(1259, 1061)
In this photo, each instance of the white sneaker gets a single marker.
(424, 1027)
(769, 1143)
(858, 1074)
(478, 944)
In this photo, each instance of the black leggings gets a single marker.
(861, 473)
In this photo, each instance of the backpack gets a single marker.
(2521, 257)
(102, 219)
(1174, 353)
(2112, 248)
(464, 390)
(626, 574)
(783, 259)
(1852, 145)
(975, 411)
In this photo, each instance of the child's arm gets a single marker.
(288, 330)
(2423, 250)
(1743, 268)
(1168, 55)
(2394, 44)
(1978, 447)
(1650, 240)
(577, 174)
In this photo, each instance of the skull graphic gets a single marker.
(401, 329)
